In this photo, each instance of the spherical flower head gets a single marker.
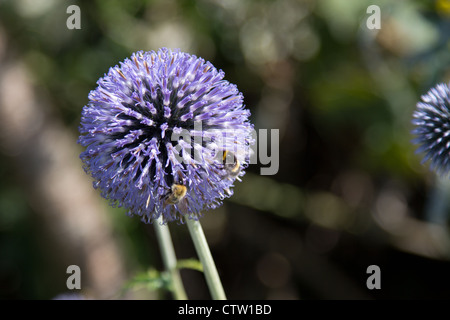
(166, 135)
(432, 121)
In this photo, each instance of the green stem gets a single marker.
(204, 254)
(169, 259)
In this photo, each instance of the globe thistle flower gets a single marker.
(432, 121)
(156, 130)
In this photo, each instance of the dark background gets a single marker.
(350, 191)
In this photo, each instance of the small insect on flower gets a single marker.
(176, 194)
(231, 164)
(432, 121)
(152, 128)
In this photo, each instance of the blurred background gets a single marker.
(350, 191)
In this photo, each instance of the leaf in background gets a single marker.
(152, 280)
(193, 264)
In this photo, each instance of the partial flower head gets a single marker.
(166, 135)
(69, 296)
(432, 121)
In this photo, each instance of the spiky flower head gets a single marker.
(159, 130)
(432, 121)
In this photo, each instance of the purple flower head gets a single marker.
(165, 135)
(432, 121)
